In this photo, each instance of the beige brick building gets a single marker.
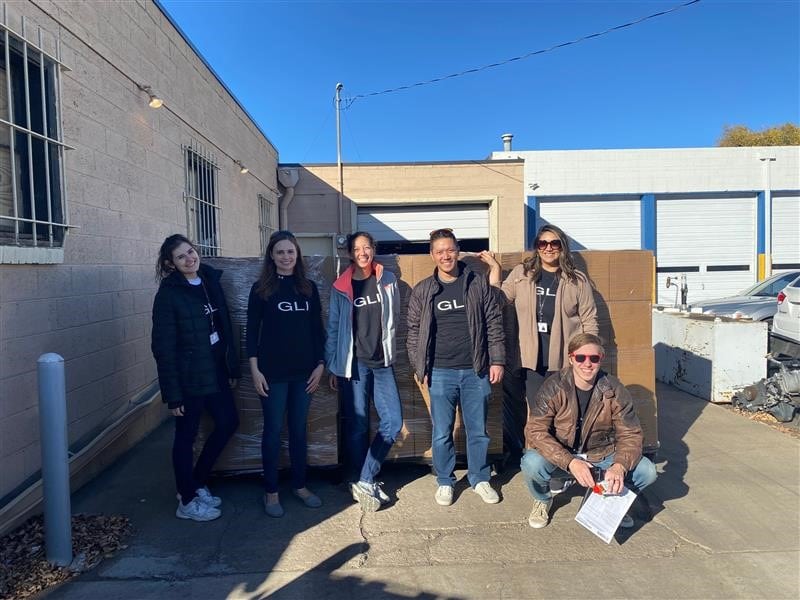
(91, 181)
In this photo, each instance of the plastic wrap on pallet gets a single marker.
(243, 452)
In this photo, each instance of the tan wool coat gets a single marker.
(575, 313)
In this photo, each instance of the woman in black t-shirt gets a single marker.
(285, 344)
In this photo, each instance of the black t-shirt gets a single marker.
(367, 330)
(452, 345)
(583, 404)
(285, 331)
(546, 287)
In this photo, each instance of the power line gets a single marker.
(349, 101)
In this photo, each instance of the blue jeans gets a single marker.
(538, 471)
(449, 387)
(290, 398)
(379, 383)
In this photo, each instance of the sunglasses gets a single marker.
(554, 244)
(440, 233)
(581, 358)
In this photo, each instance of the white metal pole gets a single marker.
(339, 87)
(767, 162)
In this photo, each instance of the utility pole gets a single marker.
(339, 87)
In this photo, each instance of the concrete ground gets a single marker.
(720, 522)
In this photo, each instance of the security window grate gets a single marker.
(32, 201)
(201, 198)
(267, 223)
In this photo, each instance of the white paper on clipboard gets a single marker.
(602, 514)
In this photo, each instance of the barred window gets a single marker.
(267, 223)
(32, 201)
(201, 198)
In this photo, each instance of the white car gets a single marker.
(786, 323)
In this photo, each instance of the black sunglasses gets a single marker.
(593, 358)
(554, 244)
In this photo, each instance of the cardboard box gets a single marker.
(625, 324)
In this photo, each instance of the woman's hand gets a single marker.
(177, 412)
(495, 269)
(259, 382)
(333, 383)
(313, 382)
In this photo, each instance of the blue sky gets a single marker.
(673, 81)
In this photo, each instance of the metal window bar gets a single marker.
(200, 195)
(266, 222)
(29, 53)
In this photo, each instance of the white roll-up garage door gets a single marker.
(413, 223)
(785, 232)
(595, 224)
(712, 240)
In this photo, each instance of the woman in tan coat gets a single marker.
(553, 302)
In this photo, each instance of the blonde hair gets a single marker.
(581, 339)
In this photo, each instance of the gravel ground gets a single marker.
(24, 570)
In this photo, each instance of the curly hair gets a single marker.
(533, 264)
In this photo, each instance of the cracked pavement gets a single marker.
(720, 522)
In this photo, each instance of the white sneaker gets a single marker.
(540, 516)
(382, 496)
(197, 511)
(205, 497)
(444, 495)
(364, 493)
(486, 492)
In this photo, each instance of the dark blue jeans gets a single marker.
(379, 383)
(289, 398)
(222, 409)
(448, 388)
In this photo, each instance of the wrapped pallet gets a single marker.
(243, 452)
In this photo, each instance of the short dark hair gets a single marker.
(443, 233)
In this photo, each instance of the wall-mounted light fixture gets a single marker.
(242, 168)
(155, 100)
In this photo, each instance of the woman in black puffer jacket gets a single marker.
(192, 342)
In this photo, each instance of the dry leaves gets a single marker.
(24, 570)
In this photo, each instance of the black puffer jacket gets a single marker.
(180, 338)
(484, 319)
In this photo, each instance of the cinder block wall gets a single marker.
(125, 184)
(313, 209)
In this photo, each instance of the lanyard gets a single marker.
(209, 305)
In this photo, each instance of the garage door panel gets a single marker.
(587, 222)
(711, 239)
(414, 224)
(786, 230)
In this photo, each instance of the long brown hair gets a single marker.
(267, 282)
(533, 264)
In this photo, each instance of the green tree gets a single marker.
(787, 134)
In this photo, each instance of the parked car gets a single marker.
(786, 323)
(756, 302)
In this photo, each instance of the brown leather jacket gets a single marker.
(610, 425)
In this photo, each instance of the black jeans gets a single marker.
(517, 386)
(222, 409)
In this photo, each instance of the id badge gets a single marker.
(542, 327)
(214, 337)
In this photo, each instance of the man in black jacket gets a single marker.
(456, 347)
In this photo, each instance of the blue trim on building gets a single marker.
(531, 225)
(648, 222)
(761, 225)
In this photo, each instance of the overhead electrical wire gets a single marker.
(348, 102)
